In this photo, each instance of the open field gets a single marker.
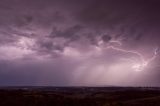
(79, 96)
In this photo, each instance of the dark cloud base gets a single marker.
(45, 42)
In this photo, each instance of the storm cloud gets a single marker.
(79, 42)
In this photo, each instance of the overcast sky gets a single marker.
(79, 42)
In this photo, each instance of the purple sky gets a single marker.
(80, 42)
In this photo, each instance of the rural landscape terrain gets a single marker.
(79, 96)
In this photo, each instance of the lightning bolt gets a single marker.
(137, 66)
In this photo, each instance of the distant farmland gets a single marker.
(79, 96)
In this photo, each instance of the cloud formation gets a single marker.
(79, 42)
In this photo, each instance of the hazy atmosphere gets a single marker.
(80, 42)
